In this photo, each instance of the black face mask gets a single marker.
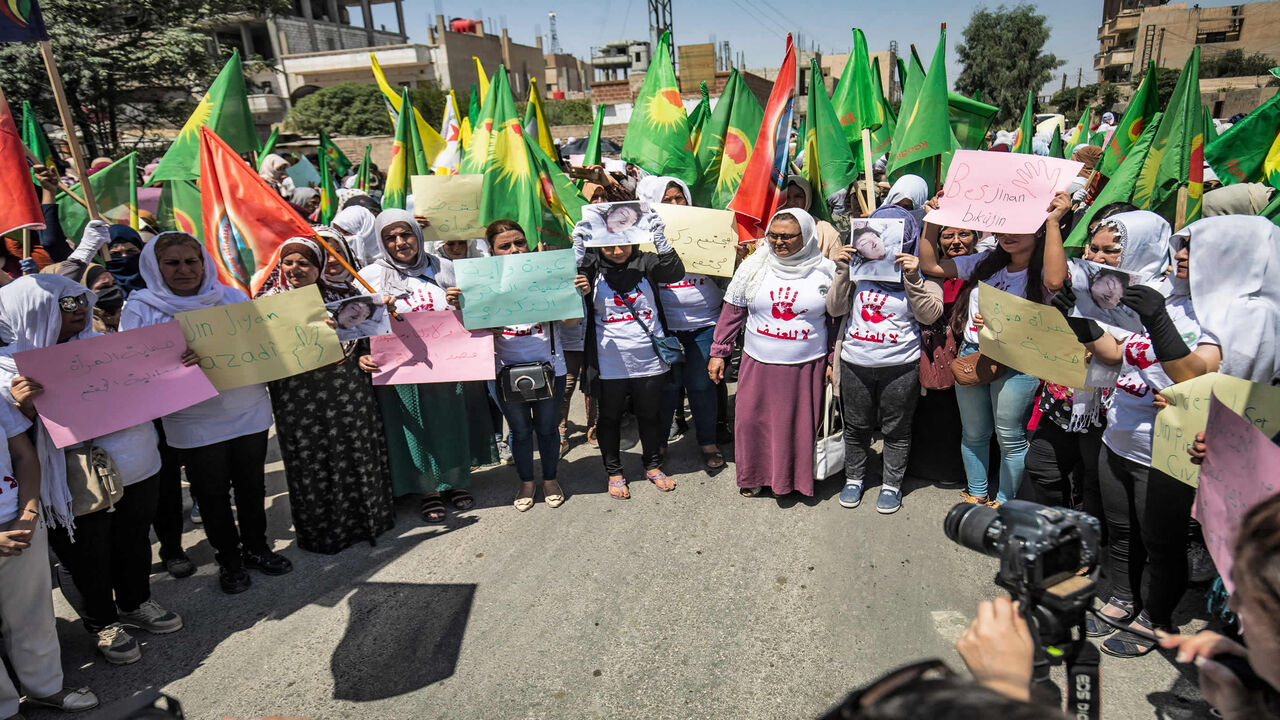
(125, 271)
(111, 299)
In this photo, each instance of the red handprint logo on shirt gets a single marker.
(12, 483)
(617, 299)
(873, 305)
(1137, 353)
(783, 300)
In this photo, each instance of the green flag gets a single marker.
(1142, 107)
(561, 202)
(482, 129)
(1026, 128)
(1098, 138)
(828, 159)
(924, 128)
(510, 189)
(1079, 133)
(328, 194)
(1120, 187)
(1272, 210)
(1210, 127)
(592, 154)
(1240, 153)
(404, 161)
(34, 138)
(269, 146)
(1055, 144)
(658, 134)
(882, 136)
(225, 109)
(334, 155)
(180, 208)
(535, 121)
(698, 118)
(1176, 158)
(855, 101)
(116, 190)
(366, 169)
(727, 140)
(970, 119)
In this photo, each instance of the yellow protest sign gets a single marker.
(1030, 338)
(262, 340)
(704, 238)
(451, 203)
(1188, 413)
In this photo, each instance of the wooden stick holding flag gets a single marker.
(54, 187)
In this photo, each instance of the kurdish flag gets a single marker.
(828, 159)
(883, 136)
(225, 110)
(855, 100)
(1143, 106)
(1055, 143)
(469, 122)
(924, 126)
(34, 138)
(334, 155)
(180, 208)
(366, 169)
(245, 221)
(432, 144)
(404, 161)
(1026, 128)
(510, 186)
(561, 201)
(698, 118)
(20, 21)
(328, 194)
(19, 204)
(1176, 158)
(115, 188)
(1243, 152)
(658, 137)
(1120, 187)
(591, 156)
(482, 129)
(535, 121)
(1079, 133)
(726, 143)
(483, 77)
(764, 178)
(970, 119)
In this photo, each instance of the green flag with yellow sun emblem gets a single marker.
(510, 187)
(225, 109)
(404, 161)
(658, 138)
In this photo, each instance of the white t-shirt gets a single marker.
(13, 423)
(787, 319)
(882, 331)
(135, 450)
(1014, 283)
(571, 338)
(1131, 417)
(692, 303)
(515, 344)
(623, 349)
(424, 295)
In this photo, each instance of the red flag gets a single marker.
(245, 221)
(761, 189)
(19, 206)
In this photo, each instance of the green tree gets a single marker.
(1234, 63)
(142, 64)
(562, 112)
(343, 109)
(1002, 57)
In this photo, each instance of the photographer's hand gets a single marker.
(1218, 684)
(997, 648)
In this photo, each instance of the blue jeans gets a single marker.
(541, 417)
(692, 374)
(1003, 407)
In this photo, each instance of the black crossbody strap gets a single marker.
(635, 315)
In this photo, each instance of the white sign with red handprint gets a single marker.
(1001, 192)
(787, 320)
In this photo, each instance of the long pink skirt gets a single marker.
(776, 417)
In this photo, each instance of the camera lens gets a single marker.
(967, 525)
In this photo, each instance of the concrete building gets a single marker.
(451, 54)
(833, 69)
(1135, 31)
(620, 60)
(566, 74)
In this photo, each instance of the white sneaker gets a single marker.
(117, 645)
(151, 617)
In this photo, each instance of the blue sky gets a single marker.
(758, 27)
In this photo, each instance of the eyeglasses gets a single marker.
(889, 684)
(782, 237)
(71, 304)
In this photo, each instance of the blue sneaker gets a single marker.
(889, 501)
(851, 495)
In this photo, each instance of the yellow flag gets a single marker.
(484, 80)
(535, 121)
(432, 143)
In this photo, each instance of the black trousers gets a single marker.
(646, 405)
(214, 471)
(1063, 468)
(110, 560)
(168, 519)
(1147, 513)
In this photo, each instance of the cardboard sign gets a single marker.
(432, 346)
(451, 203)
(1030, 338)
(1001, 192)
(1188, 413)
(1241, 469)
(96, 386)
(705, 239)
(261, 340)
(517, 289)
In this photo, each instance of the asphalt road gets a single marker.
(692, 604)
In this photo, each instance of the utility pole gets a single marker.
(555, 39)
(1079, 77)
(660, 22)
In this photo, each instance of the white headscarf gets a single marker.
(31, 317)
(1235, 260)
(1143, 238)
(157, 294)
(476, 248)
(652, 188)
(359, 222)
(913, 188)
(426, 264)
(751, 273)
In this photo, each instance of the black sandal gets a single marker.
(1128, 645)
(1095, 628)
(751, 492)
(432, 510)
(461, 499)
(713, 460)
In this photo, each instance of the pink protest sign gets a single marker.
(432, 346)
(1001, 192)
(99, 385)
(1240, 470)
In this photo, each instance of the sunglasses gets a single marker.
(783, 237)
(71, 304)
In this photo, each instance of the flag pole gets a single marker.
(64, 112)
(1180, 214)
(26, 243)
(347, 266)
(866, 167)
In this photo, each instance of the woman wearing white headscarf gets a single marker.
(910, 193)
(690, 307)
(779, 294)
(357, 225)
(108, 552)
(223, 440)
(275, 171)
(799, 194)
(435, 432)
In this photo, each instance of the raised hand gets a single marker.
(783, 302)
